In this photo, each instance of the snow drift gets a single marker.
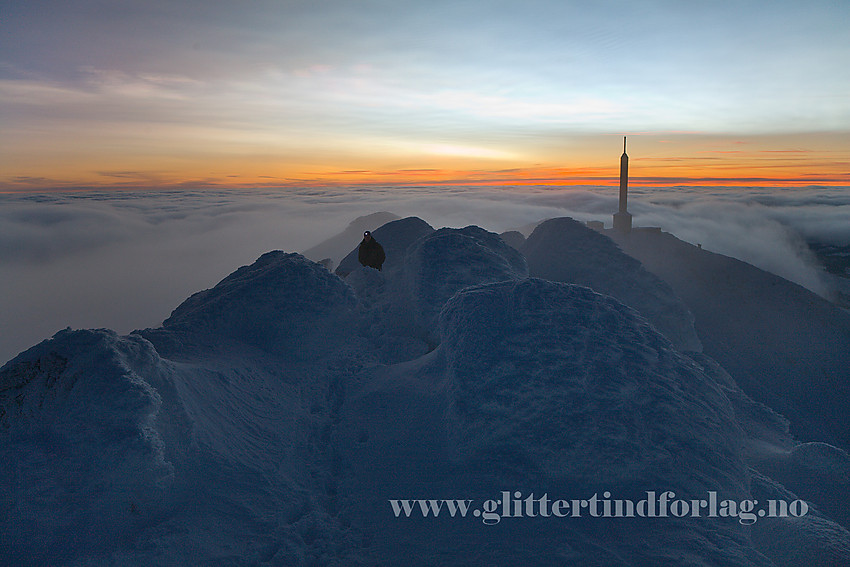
(440, 264)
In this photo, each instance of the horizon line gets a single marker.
(597, 182)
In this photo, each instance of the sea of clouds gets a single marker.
(123, 260)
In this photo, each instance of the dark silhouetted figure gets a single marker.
(371, 253)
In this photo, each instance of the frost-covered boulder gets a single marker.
(281, 303)
(565, 250)
(394, 237)
(442, 263)
(85, 458)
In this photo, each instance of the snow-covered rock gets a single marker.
(282, 303)
(566, 250)
(448, 260)
(84, 419)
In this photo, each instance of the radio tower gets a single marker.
(622, 218)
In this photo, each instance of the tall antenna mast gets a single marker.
(622, 218)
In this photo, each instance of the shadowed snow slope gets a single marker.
(83, 458)
(402, 303)
(273, 417)
(446, 261)
(281, 303)
(784, 345)
(811, 540)
(565, 250)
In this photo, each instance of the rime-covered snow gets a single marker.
(83, 456)
(282, 303)
(440, 264)
(271, 418)
(565, 250)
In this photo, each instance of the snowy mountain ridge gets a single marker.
(272, 417)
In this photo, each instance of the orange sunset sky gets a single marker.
(223, 94)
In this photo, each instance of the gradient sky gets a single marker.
(193, 93)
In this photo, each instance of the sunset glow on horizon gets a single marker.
(211, 94)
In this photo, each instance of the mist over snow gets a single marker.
(747, 231)
(124, 260)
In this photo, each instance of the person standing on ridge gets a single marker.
(371, 253)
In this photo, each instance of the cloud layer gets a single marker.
(125, 260)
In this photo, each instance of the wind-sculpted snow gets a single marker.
(596, 393)
(83, 460)
(442, 263)
(564, 250)
(221, 457)
(402, 303)
(281, 303)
